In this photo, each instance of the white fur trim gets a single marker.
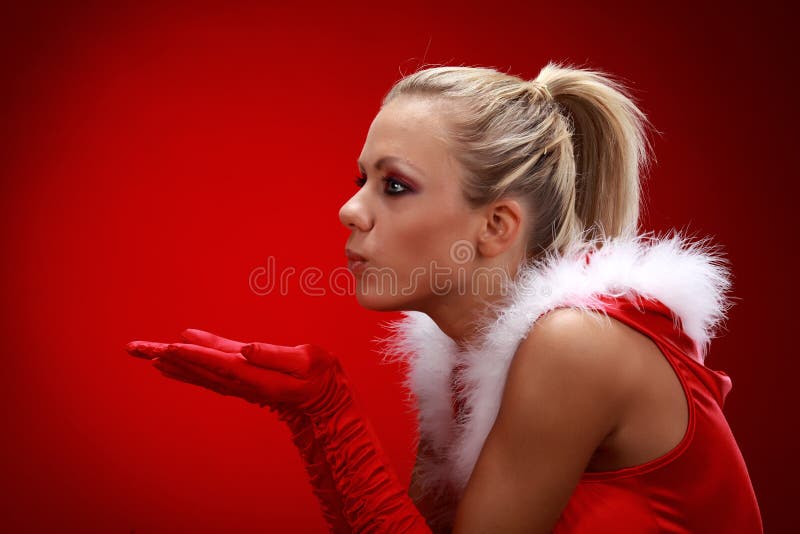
(690, 278)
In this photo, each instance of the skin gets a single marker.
(580, 395)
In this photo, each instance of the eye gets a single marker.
(392, 186)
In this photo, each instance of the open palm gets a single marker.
(259, 373)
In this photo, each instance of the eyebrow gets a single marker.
(392, 159)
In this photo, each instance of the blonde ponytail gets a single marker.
(610, 148)
(571, 144)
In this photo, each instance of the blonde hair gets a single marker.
(569, 144)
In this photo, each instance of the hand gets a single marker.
(268, 375)
(188, 372)
(219, 364)
(306, 385)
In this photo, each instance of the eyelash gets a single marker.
(361, 180)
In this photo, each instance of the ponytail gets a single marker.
(610, 148)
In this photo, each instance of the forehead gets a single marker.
(412, 129)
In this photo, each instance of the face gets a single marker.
(408, 218)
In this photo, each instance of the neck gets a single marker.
(459, 313)
(456, 316)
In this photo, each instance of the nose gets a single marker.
(354, 215)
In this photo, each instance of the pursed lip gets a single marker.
(353, 256)
(355, 262)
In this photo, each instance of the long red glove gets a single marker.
(372, 497)
(311, 453)
(306, 381)
(319, 472)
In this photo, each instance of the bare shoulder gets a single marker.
(585, 349)
(566, 390)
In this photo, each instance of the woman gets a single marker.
(556, 356)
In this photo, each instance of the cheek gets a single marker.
(439, 237)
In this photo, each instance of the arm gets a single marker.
(302, 433)
(306, 384)
(564, 376)
(322, 482)
(373, 500)
(565, 391)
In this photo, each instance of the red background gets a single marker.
(153, 156)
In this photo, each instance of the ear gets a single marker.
(502, 225)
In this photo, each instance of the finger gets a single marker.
(289, 360)
(225, 364)
(185, 373)
(207, 339)
(180, 373)
(270, 383)
(146, 349)
(200, 372)
(181, 376)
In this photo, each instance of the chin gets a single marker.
(377, 302)
(372, 299)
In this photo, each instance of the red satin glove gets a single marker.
(302, 432)
(372, 497)
(308, 382)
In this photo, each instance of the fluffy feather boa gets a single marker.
(690, 277)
